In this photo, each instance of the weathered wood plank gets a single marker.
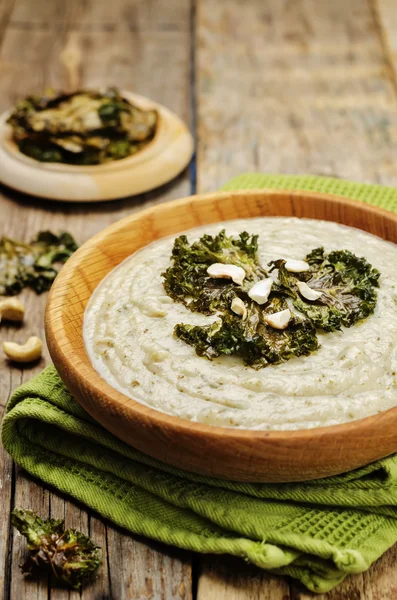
(138, 15)
(300, 87)
(385, 18)
(147, 570)
(6, 8)
(27, 493)
(232, 579)
(135, 59)
(7, 382)
(65, 45)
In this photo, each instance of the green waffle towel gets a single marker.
(317, 532)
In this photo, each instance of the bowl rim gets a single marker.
(85, 374)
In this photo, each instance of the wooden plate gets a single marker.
(160, 161)
(229, 453)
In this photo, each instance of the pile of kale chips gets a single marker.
(83, 128)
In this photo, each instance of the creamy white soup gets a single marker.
(129, 324)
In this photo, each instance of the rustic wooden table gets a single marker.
(302, 86)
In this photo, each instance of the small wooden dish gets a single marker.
(157, 163)
(228, 453)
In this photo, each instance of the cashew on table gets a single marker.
(12, 309)
(24, 353)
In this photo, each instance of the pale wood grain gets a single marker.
(28, 494)
(148, 570)
(6, 7)
(385, 18)
(7, 383)
(228, 579)
(294, 87)
(143, 53)
(77, 43)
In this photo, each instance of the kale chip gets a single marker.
(252, 339)
(67, 554)
(33, 265)
(187, 281)
(347, 284)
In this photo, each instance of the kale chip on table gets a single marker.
(67, 555)
(33, 265)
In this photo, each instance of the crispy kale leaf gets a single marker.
(83, 128)
(33, 265)
(255, 342)
(68, 554)
(347, 283)
(187, 281)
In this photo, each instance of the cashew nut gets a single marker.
(279, 320)
(24, 353)
(238, 307)
(307, 292)
(296, 266)
(11, 309)
(225, 271)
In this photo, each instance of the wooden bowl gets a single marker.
(233, 454)
(162, 159)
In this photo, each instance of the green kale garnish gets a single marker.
(187, 280)
(346, 281)
(33, 265)
(67, 554)
(255, 342)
